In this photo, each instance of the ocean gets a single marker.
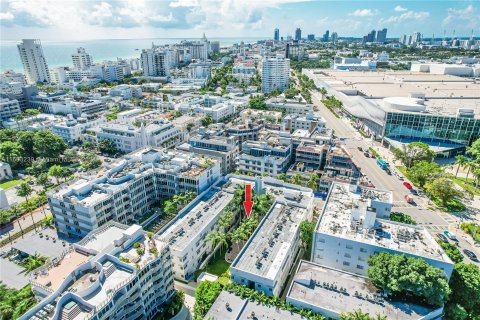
(59, 53)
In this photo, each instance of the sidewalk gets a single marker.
(25, 222)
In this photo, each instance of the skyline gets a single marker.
(130, 19)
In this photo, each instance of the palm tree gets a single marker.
(43, 181)
(237, 236)
(461, 160)
(323, 92)
(214, 239)
(5, 218)
(24, 190)
(16, 212)
(476, 173)
(313, 182)
(33, 262)
(223, 239)
(282, 176)
(297, 179)
(470, 164)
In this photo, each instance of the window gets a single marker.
(349, 246)
(321, 240)
(347, 255)
(363, 250)
(359, 267)
(346, 263)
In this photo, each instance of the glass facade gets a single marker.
(433, 128)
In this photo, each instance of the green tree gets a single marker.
(11, 152)
(48, 145)
(314, 182)
(402, 217)
(414, 151)
(360, 315)
(257, 102)
(443, 189)
(38, 166)
(282, 176)
(465, 298)
(296, 179)
(205, 295)
(423, 171)
(169, 208)
(107, 146)
(71, 155)
(461, 161)
(474, 149)
(90, 160)
(451, 251)
(207, 120)
(399, 274)
(24, 190)
(26, 139)
(306, 235)
(56, 172)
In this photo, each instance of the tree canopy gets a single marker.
(464, 302)
(205, 295)
(443, 189)
(414, 151)
(404, 276)
(423, 171)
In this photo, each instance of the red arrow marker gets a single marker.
(248, 203)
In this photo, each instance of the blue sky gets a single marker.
(96, 19)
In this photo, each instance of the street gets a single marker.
(434, 221)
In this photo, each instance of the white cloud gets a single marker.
(160, 18)
(6, 16)
(407, 16)
(363, 13)
(467, 16)
(400, 9)
(183, 3)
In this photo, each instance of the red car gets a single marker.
(407, 185)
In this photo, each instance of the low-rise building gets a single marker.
(341, 63)
(271, 156)
(244, 131)
(331, 292)
(224, 148)
(9, 109)
(72, 130)
(229, 306)
(290, 106)
(352, 227)
(128, 188)
(76, 108)
(339, 167)
(129, 137)
(5, 171)
(186, 235)
(308, 122)
(115, 272)
(267, 258)
(244, 70)
(126, 91)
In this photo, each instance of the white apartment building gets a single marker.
(219, 109)
(128, 137)
(244, 70)
(9, 109)
(72, 130)
(76, 108)
(275, 74)
(310, 122)
(105, 277)
(267, 258)
(351, 227)
(126, 91)
(158, 61)
(39, 122)
(199, 70)
(81, 59)
(342, 63)
(290, 106)
(186, 234)
(33, 60)
(198, 49)
(11, 83)
(128, 189)
(271, 155)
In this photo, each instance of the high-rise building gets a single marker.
(311, 37)
(403, 39)
(326, 35)
(215, 46)
(416, 37)
(82, 60)
(276, 34)
(275, 74)
(33, 60)
(334, 37)
(157, 61)
(298, 34)
(382, 35)
(371, 36)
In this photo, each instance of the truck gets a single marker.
(382, 164)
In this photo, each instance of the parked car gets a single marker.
(360, 149)
(442, 238)
(408, 185)
(413, 191)
(450, 235)
(409, 199)
(388, 172)
(470, 254)
(366, 154)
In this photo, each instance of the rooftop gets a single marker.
(444, 94)
(348, 214)
(187, 227)
(341, 291)
(231, 307)
(267, 248)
